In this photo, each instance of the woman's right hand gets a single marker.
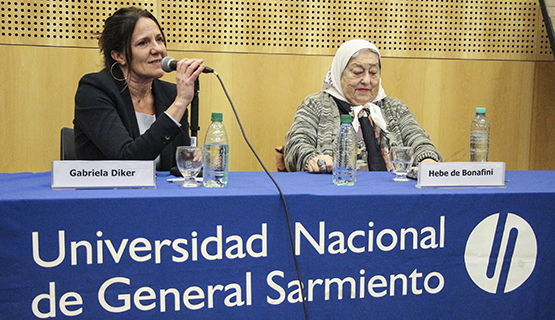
(320, 164)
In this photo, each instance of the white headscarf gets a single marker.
(332, 82)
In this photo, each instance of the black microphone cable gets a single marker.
(282, 196)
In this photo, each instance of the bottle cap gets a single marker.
(217, 116)
(481, 110)
(346, 119)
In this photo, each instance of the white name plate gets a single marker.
(103, 174)
(461, 174)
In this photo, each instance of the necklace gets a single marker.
(142, 104)
(139, 99)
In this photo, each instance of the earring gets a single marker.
(112, 72)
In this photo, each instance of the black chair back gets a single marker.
(67, 144)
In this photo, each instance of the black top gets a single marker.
(106, 125)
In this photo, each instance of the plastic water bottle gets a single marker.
(345, 154)
(215, 155)
(479, 136)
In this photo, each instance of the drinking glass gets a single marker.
(189, 162)
(401, 159)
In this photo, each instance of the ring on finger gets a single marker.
(321, 164)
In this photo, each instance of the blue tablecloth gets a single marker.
(379, 249)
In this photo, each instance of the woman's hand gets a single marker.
(188, 71)
(320, 164)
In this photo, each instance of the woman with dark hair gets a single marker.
(124, 112)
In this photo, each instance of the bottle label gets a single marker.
(345, 157)
(215, 164)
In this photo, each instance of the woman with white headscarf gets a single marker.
(353, 86)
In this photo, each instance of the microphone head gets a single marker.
(207, 70)
(167, 64)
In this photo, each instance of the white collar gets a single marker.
(375, 112)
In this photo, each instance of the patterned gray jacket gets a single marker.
(317, 120)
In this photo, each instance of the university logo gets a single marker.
(501, 253)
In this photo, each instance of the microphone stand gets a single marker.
(194, 115)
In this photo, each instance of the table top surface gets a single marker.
(37, 186)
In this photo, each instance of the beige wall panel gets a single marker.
(37, 100)
(542, 155)
(443, 95)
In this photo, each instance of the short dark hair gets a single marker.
(118, 32)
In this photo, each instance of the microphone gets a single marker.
(169, 64)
